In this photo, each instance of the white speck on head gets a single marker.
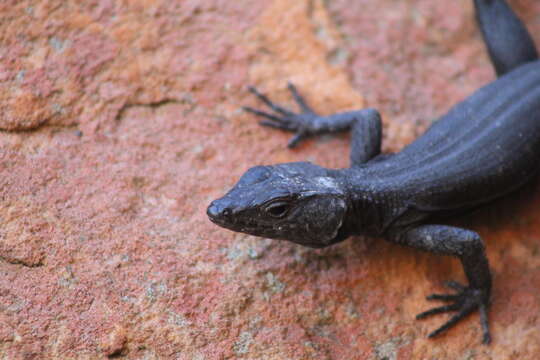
(327, 182)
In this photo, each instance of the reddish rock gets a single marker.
(120, 122)
(113, 345)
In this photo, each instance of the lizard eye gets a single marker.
(277, 209)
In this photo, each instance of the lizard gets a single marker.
(485, 147)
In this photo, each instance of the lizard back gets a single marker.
(484, 147)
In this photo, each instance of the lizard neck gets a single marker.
(366, 204)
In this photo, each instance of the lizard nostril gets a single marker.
(216, 210)
(226, 212)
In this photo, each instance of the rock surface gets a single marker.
(119, 123)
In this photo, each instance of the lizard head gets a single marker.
(298, 202)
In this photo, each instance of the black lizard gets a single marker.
(483, 148)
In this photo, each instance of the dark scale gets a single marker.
(483, 148)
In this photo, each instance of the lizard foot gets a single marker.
(464, 301)
(284, 119)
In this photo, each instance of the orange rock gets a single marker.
(131, 112)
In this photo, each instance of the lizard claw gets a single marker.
(465, 301)
(295, 140)
(284, 119)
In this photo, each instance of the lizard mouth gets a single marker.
(223, 218)
(225, 223)
(249, 227)
(252, 228)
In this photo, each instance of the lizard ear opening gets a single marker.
(322, 218)
(333, 220)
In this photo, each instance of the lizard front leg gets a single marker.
(365, 124)
(469, 248)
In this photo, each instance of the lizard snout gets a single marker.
(218, 211)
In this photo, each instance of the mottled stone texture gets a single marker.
(120, 121)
